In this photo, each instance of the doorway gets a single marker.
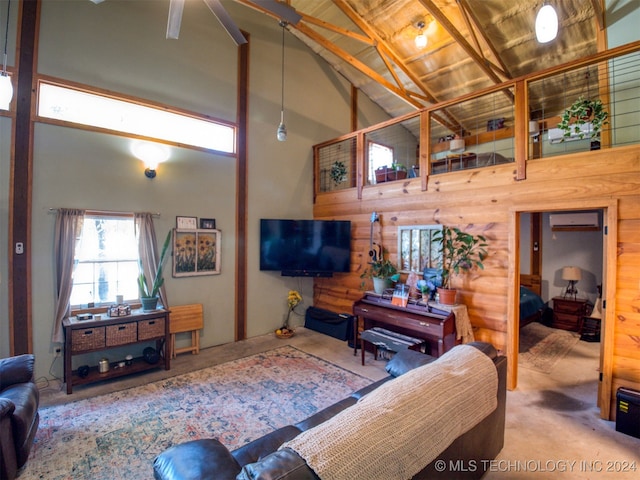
(551, 284)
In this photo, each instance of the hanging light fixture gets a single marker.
(281, 133)
(421, 38)
(546, 24)
(6, 87)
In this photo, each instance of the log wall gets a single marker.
(486, 201)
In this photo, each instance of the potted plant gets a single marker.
(382, 272)
(398, 171)
(461, 251)
(149, 293)
(338, 172)
(293, 300)
(583, 111)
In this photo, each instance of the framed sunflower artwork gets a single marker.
(196, 252)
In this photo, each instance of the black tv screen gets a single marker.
(305, 247)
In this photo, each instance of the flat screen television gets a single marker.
(305, 248)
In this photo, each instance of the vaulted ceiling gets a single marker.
(472, 44)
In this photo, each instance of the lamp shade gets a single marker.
(534, 128)
(546, 24)
(571, 274)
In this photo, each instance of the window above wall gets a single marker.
(64, 103)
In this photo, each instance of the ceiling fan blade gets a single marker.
(282, 11)
(223, 17)
(175, 18)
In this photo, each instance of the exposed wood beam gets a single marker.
(334, 28)
(599, 11)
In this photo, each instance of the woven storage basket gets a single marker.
(121, 334)
(87, 339)
(153, 328)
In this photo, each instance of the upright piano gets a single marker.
(436, 327)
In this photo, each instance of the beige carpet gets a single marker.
(542, 347)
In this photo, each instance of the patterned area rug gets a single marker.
(542, 347)
(117, 436)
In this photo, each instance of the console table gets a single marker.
(436, 327)
(86, 336)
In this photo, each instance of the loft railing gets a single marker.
(513, 122)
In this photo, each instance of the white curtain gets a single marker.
(67, 235)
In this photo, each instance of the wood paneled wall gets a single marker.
(484, 201)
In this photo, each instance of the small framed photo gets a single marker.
(208, 223)
(187, 223)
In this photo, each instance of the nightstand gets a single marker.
(569, 313)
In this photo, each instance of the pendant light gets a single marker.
(421, 38)
(281, 133)
(6, 87)
(546, 24)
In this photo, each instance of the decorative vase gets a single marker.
(380, 285)
(149, 303)
(447, 296)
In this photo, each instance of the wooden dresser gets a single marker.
(568, 313)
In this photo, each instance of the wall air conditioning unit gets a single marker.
(574, 221)
(556, 135)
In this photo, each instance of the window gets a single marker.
(83, 107)
(379, 156)
(106, 261)
(417, 249)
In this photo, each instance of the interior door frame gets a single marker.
(610, 242)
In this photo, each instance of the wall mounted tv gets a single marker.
(305, 248)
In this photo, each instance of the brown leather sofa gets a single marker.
(19, 418)
(467, 457)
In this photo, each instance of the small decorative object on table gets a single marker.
(293, 299)
(119, 310)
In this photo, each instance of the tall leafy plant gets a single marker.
(152, 290)
(461, 251)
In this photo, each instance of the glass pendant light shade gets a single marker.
(281, 134)
(6, 91)
(421, 38)
(546, 24)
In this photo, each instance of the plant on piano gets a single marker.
(381, 269)
(461, 252)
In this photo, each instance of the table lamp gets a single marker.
(572, 275)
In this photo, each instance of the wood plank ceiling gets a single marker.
(472, 44)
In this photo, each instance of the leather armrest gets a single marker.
(205, 459)
(7, 407)
(283, 464)
(406, 360)
(18, 369)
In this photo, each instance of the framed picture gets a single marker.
(186, 223)
(196, 252)
(208, 223)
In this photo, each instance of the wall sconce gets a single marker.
(421, 38)
(457, 145)
(546, 24)
(573, 276)
(151, 154)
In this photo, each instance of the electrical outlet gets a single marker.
(57, 351)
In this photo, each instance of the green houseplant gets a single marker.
(461, 252)
(338, 172)
(579, 113)
(149, 292)
(382, 272)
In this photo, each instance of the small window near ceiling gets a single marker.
(83, 107)
(106, 261)
(379, 156)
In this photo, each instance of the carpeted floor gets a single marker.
(116, 436)
(541, 347)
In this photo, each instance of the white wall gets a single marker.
(120, 46)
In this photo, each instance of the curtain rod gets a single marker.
(105, 212)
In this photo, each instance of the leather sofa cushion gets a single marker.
(282, 464)
(261, 447)
(407, 360)
(196, 460)
(18, 369)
